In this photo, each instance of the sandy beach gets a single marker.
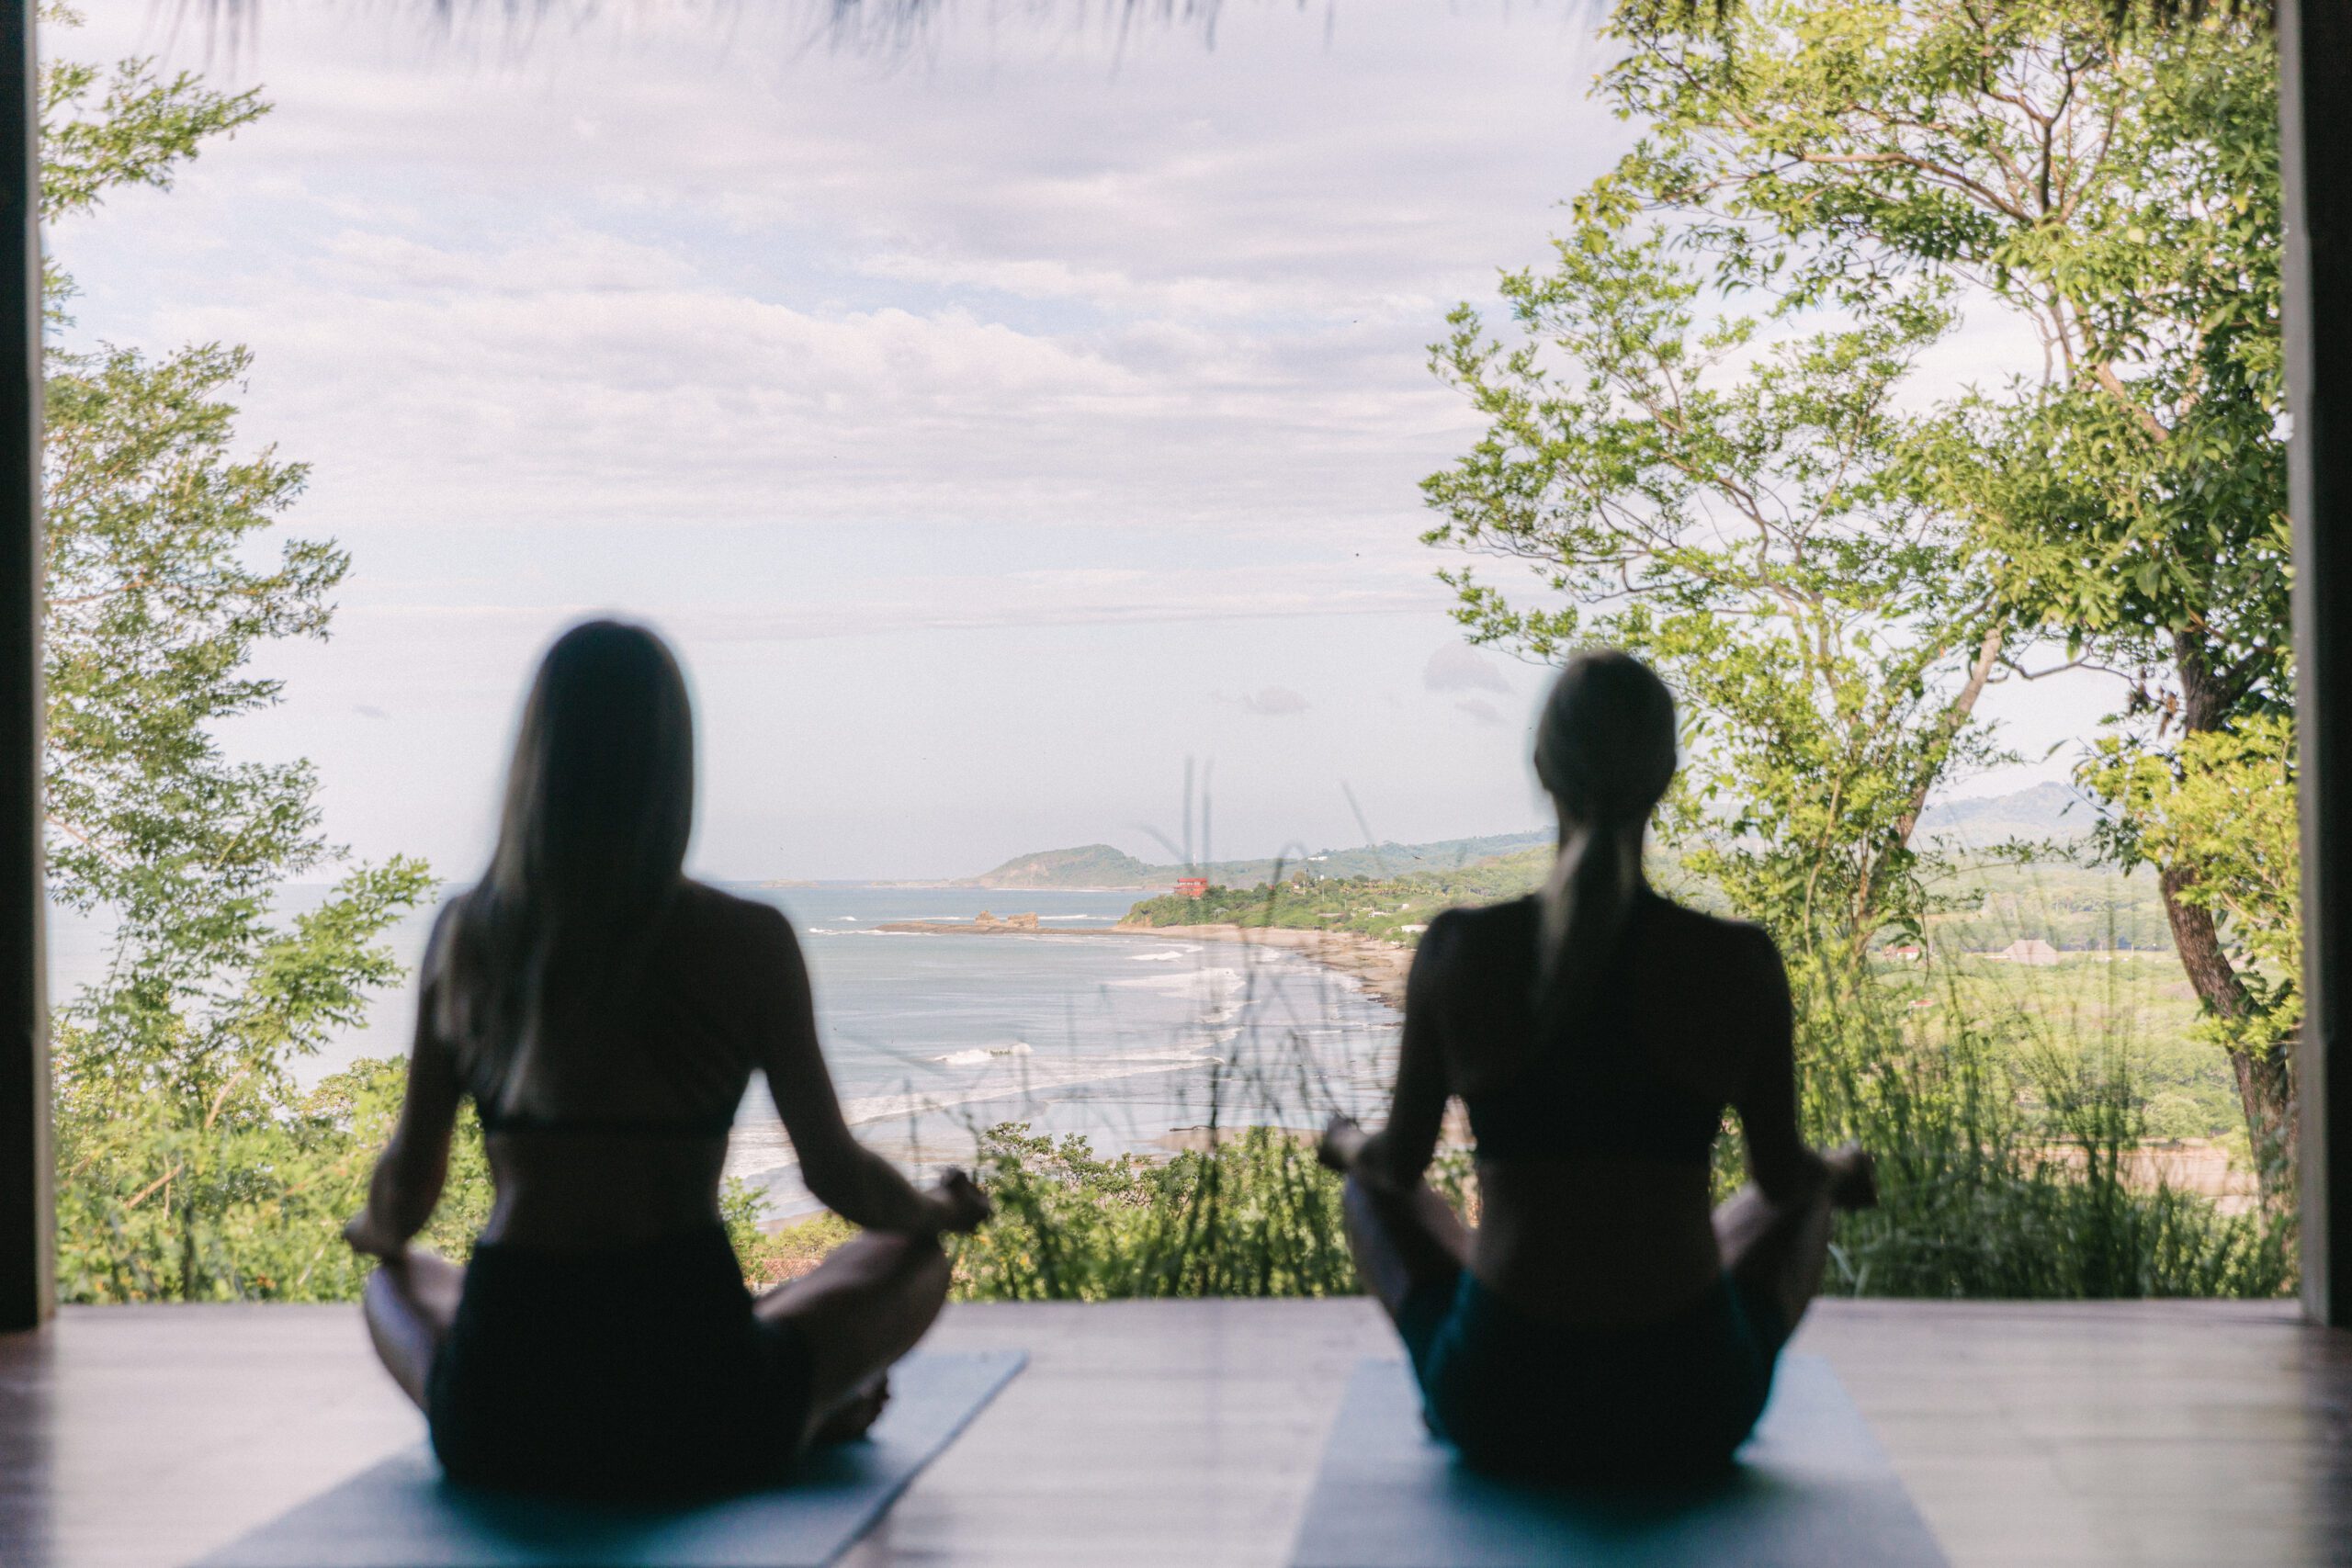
(1381, 966)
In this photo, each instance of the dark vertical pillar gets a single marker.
(2315, 108)
(27, 1215)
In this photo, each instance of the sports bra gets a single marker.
(705, 1062)
(1589, 1086)
(494, 1120)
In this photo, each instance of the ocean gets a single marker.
(1131, 1041)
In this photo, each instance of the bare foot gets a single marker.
(852, 1419)
(1853, 1177)
(1343, 1141)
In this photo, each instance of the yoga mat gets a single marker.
(402, 1514)
(1813, 1489)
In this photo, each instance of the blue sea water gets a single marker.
(1127, 1038)
(1124, 1038)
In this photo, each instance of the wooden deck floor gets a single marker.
(1188, 1432)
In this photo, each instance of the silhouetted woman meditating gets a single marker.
(605, 1014)
(1601, 1323)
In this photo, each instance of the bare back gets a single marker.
(1596, 1114)
(614, 1129)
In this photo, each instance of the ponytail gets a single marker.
(1584, 903)
(1605, 752)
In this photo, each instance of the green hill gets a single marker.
(2046, 811)
(1089, 865)
(1100, 865)
(1393, 909)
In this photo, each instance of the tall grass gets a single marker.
(2004, 1168)
(1252, 1215)
(2003, 1172)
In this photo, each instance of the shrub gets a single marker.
(1252, 1215)
(2003, 1172)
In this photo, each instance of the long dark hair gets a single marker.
(1605, 752)
(592, 842)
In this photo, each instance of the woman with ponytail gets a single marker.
(605, 1013)
(1601, 1322)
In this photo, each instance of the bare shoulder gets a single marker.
(1467, 928)
(1470, 938)
(447, 921)
(1741, 965)
(718, 923)
(1713, 936)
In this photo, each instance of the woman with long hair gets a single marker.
(604, 1013)
(1601, 1322)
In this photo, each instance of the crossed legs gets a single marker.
(410, 1302)
(1404, 1242)
(860, 1310)
(1775, 1250)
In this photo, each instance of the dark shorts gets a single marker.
(1661, 1401)
(636, 1372)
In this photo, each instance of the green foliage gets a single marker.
(250, 1199)
(1829, 565)
(133, 125)
(1100, 865)
(363, 1103)
(190, 1164)
(2114, 186)
(1254, 1215)
(1389, 909)
(1979, 905)
(1089, 865)
(2224, 801)
(2009, 1172)
(772, 1257)
(1738, 509)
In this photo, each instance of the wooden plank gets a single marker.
(1189, 1432)
(2315, 64)
(28, 1212)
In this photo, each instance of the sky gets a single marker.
(996, 422)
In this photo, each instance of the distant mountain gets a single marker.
(1395, 860)
(1089, 865)
(1100, 865)
(2045, 811)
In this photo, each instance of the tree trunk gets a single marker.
(1953, 719)
(2264, 1074)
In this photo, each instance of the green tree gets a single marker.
(188, 1165)
(2113, 190)
(1737, 508)
(2224, 801)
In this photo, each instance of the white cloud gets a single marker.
(930, 602)
(886, 373)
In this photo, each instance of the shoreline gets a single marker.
(1379, 967)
